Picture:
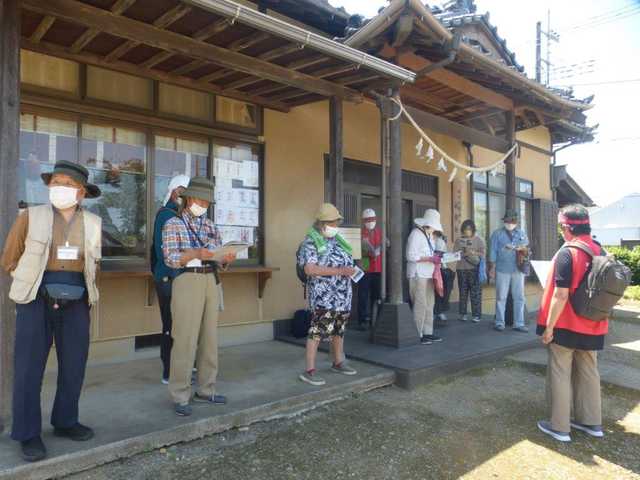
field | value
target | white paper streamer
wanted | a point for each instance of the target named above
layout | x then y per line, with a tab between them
453	174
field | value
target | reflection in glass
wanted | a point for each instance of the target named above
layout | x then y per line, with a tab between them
497	205
175	156
43	141
116	159
480	213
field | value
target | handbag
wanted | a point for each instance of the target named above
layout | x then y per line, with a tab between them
523	260
59	295
438	282
482	271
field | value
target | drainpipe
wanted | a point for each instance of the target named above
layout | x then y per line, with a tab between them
452	48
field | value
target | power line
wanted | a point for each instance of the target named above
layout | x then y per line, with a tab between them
607	82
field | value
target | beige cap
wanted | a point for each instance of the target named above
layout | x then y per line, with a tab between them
328	213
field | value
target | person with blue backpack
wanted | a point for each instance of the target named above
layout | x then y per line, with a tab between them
325	264
471	271
162	274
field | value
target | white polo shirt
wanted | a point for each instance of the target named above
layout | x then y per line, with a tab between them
418	247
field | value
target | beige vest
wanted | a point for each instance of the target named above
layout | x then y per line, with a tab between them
32	264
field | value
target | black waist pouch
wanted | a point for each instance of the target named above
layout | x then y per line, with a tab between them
59	289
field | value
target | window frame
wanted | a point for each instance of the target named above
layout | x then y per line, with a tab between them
150	131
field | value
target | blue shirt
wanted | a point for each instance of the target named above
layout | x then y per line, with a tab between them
502	249
161	269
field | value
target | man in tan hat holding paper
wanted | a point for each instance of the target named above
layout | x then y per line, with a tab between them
189	242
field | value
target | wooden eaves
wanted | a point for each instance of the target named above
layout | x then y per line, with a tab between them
180	43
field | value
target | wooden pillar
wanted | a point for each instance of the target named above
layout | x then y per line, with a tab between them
9	138
336	162
395	325
510	164
395	207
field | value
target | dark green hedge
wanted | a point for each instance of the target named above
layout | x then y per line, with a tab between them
631	258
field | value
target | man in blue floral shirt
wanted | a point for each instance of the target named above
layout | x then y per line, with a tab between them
328	265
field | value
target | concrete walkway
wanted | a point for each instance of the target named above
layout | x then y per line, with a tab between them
619	362
131	411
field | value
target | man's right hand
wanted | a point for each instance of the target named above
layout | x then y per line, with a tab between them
347	271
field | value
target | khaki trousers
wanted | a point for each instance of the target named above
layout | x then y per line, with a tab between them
423	299
573	383
194	309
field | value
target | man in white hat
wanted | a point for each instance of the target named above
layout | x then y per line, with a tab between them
370	285
421	264
163	275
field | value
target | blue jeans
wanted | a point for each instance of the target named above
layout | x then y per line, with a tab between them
515	282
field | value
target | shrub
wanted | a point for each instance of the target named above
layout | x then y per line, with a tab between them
633	293
631	258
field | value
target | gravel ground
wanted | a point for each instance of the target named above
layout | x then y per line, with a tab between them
478	425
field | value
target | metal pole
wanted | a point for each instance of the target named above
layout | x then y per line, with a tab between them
538	51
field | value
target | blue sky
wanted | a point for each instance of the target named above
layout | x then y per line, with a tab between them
603	39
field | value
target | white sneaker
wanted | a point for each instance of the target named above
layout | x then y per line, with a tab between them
545	427
593	430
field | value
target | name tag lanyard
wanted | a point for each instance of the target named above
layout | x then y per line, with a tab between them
67	252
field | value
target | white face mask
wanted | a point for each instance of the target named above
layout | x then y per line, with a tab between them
510	226
197	210
179	201
63	197
329	231
370	225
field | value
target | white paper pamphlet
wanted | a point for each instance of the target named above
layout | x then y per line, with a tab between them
542	269
357	276
451	257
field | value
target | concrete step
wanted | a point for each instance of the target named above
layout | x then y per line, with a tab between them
131	413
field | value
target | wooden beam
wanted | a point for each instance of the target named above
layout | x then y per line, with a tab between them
453	80
439	124
349	80
9	159
336	158
166	19
424	98
404	27
74	11
83	40
42	28
124	67
188	67
323	73
510	162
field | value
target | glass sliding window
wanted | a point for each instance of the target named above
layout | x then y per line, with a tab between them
480	213
176	156
497	205
238	183
117	161
43	141
49	72
119	87
498	182
236	112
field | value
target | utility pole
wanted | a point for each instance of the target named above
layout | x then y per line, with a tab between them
551	35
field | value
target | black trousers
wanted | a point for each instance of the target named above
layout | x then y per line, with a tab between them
469	285
163	289
37	325
368	292
441	304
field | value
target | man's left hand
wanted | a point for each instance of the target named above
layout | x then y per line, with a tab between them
547	336
228	258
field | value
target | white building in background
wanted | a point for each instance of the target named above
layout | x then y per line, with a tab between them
619	222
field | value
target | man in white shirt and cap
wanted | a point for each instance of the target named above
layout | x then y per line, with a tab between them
421	264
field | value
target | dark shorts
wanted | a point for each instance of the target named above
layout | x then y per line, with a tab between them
326	324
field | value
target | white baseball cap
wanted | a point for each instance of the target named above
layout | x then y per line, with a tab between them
369	213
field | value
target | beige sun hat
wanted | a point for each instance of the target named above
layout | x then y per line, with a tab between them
431	218
328	213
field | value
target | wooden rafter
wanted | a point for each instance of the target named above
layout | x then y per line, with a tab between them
456	82
42	29
135	31
323	73
267	56
125	67
166	19
348	80
83	40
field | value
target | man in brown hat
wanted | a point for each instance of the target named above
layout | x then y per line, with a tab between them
52	253
188	243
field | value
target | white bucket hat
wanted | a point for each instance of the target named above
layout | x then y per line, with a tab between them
431	219
369	213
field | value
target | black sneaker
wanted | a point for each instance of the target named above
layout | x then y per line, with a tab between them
77	433
433	338
212	399
33	449
425	341
183	409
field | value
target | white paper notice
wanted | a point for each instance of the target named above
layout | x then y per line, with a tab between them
451	257
542	269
